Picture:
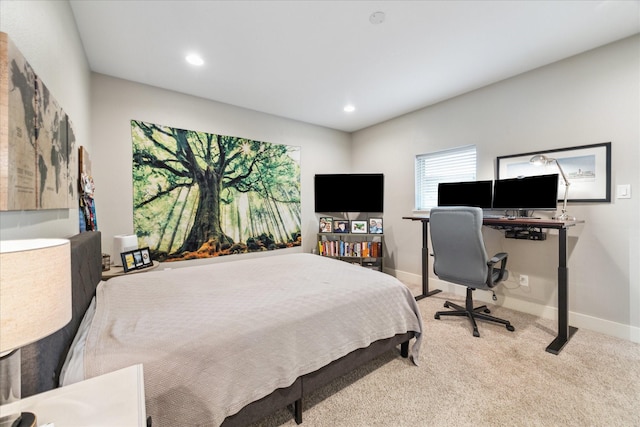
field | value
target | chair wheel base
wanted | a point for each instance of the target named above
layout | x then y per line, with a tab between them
471	313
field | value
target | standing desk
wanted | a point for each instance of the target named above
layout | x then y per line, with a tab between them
565	332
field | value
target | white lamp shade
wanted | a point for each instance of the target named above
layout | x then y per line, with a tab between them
35	290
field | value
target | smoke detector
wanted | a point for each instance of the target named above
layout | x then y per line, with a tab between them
377	18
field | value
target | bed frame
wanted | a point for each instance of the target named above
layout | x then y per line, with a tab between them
42	361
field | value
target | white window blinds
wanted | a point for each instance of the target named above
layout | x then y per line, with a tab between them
454	165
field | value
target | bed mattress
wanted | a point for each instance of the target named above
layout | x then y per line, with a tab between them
217	337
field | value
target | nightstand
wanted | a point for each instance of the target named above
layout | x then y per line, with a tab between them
119	271
113	399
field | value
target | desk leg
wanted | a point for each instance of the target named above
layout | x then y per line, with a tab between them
565	332
425	264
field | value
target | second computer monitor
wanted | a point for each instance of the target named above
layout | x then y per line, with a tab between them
527	193
468	193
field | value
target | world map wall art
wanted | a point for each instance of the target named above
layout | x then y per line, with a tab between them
201	195
38	161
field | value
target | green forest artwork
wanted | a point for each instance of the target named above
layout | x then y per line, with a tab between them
200	195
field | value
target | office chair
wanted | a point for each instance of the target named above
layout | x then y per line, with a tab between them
460	257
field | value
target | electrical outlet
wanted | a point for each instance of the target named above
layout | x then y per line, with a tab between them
524	280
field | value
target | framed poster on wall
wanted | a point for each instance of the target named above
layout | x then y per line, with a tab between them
587	167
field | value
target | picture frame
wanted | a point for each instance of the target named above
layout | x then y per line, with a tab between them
128	261
137	256
326	224
340	226
358	227
146	257
136	259
587	167
375	226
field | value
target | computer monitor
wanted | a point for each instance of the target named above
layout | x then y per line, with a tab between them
527	193
357	192
468	193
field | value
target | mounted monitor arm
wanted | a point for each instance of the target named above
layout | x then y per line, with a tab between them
542	160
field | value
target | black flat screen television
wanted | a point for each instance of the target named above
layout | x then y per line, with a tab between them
526	193
349	192
469	193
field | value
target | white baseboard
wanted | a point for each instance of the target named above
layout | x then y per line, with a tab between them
578	320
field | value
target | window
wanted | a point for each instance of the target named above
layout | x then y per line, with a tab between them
455	165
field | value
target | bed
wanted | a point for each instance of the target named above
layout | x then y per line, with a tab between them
227	343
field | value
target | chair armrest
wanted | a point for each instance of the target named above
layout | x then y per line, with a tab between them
499	257
496	258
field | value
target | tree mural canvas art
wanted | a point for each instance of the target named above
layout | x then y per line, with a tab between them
200	195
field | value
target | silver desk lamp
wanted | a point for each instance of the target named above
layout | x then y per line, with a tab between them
542	160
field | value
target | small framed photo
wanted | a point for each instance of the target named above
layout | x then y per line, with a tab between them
146	257
137	256
340	226
326	224
358	226
128	261
375	225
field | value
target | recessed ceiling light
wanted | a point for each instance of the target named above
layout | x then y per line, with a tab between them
377	18
349	108
194	59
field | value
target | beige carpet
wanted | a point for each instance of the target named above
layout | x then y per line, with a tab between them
500	379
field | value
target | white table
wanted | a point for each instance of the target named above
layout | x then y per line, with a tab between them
113	399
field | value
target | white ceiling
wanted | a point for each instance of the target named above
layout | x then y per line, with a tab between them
306	60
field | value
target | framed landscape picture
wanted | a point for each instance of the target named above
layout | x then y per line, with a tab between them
587	167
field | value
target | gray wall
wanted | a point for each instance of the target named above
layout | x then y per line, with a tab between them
587	99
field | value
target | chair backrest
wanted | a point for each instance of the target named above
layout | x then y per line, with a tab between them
458	247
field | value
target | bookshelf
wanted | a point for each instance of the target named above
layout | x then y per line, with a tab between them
362	249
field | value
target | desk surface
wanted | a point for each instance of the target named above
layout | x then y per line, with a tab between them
518	221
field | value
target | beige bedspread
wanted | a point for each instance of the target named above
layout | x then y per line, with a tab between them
214	338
